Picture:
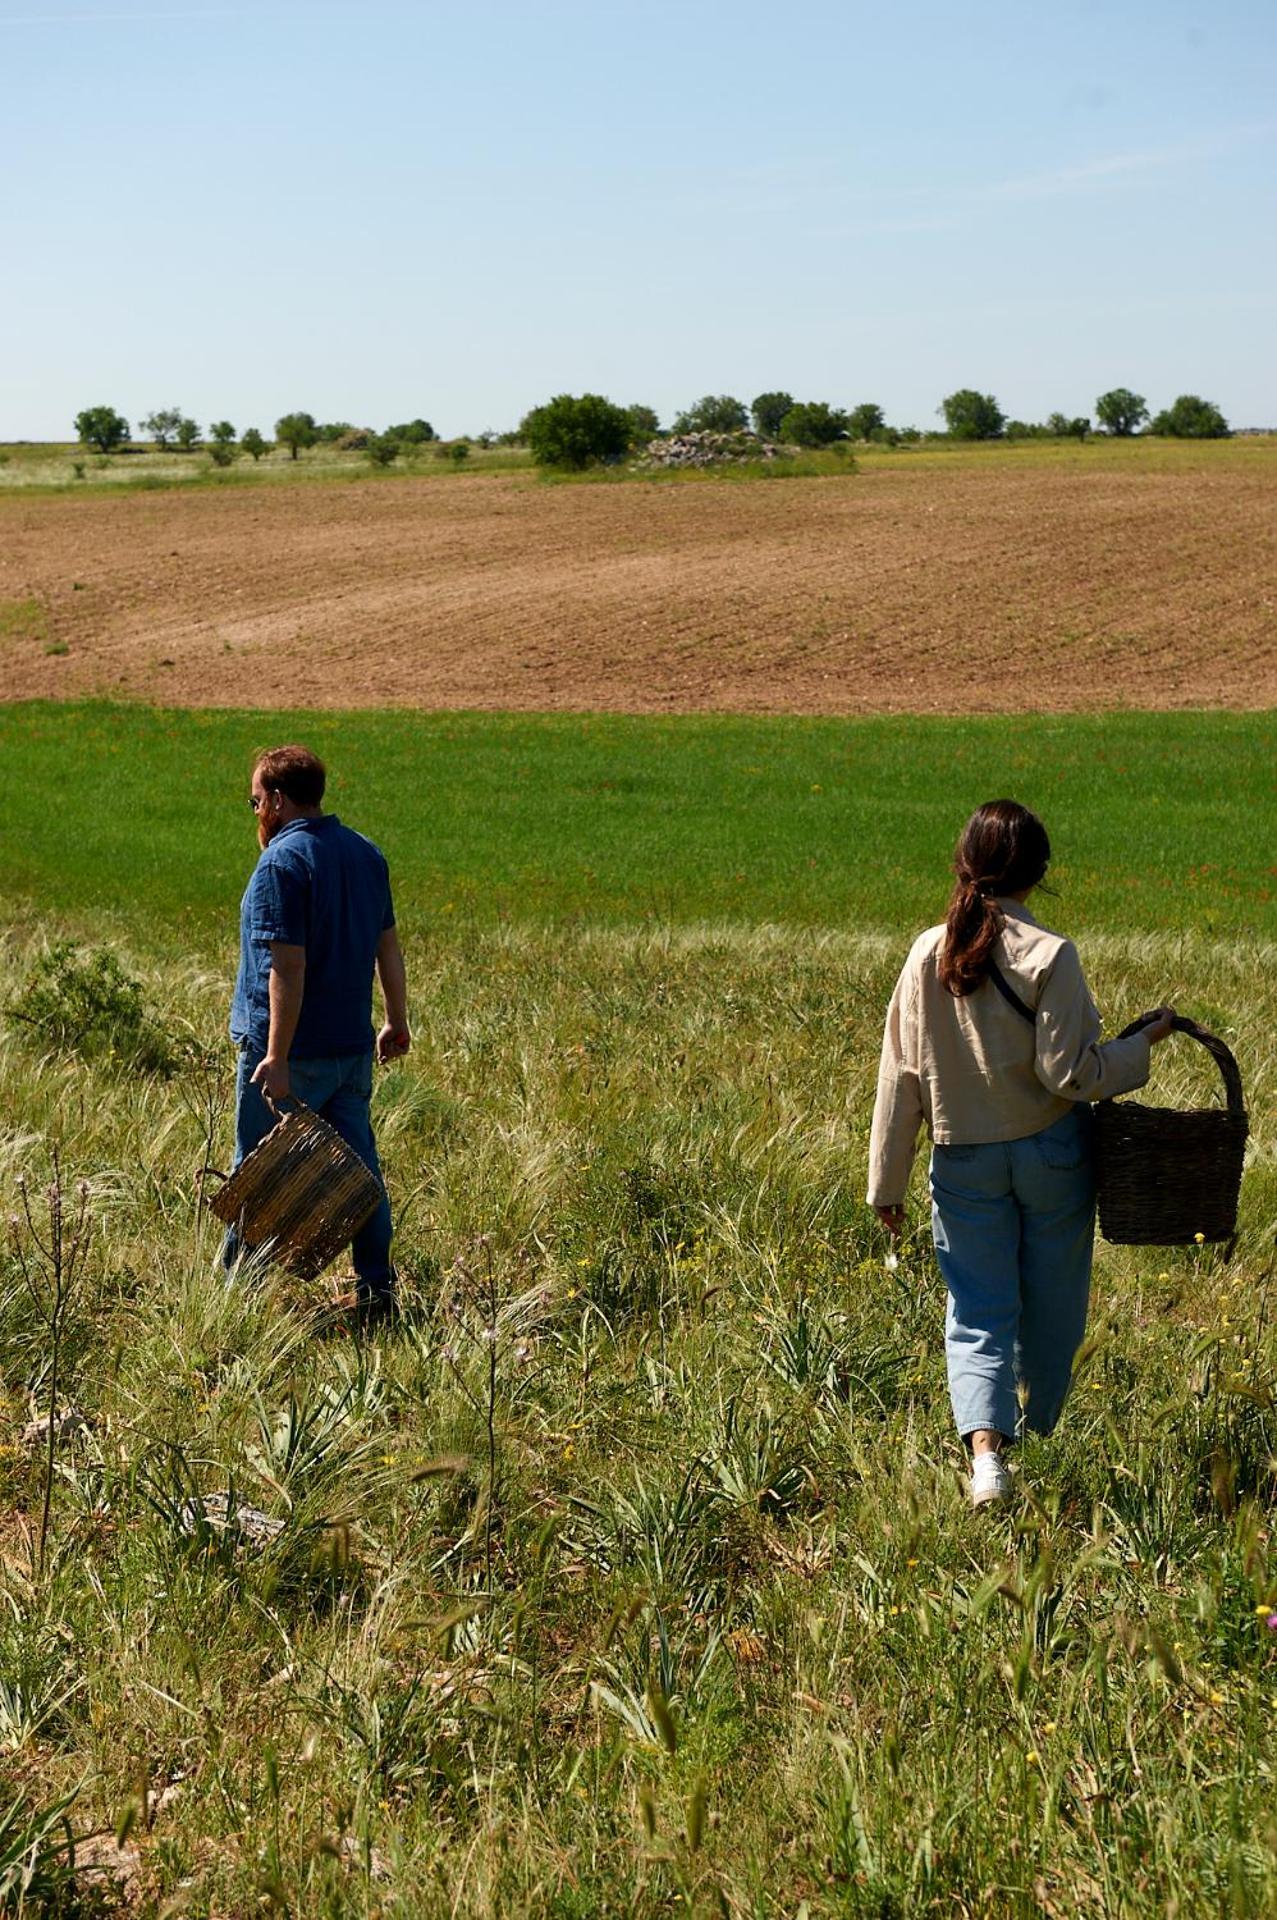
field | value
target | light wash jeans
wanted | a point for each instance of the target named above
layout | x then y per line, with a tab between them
1014	1227
339	1089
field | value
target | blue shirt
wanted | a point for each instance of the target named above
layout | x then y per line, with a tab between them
321	886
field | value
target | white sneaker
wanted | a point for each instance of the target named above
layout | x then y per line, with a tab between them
990	1480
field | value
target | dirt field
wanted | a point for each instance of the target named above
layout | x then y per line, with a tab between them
953	585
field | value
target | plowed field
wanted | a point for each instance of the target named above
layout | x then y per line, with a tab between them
997	584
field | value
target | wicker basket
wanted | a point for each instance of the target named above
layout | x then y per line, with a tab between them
301	1195
1168	1177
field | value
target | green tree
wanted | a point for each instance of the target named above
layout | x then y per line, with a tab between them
221	433
972	416
295	431
252	442
328	431
459	452
644	424
713	413
1067	427
864	421
101	427
1192	418
188	434
1121	412
382	448
413	433
814	423
163	425
767	412
575	430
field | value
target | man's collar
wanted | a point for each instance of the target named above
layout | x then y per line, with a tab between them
308	820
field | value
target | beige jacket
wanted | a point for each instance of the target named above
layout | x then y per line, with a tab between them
973	1069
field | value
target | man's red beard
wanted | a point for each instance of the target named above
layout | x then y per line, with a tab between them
265	831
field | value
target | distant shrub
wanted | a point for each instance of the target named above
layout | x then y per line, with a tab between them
253	443
102	427
1191	418
220	454
714	413
459	452
85	1003
381	448
1121	412
645	424
575	430
355	440
866	421
77	468
814	423
972	416
767	412
332	432
295	431
413	433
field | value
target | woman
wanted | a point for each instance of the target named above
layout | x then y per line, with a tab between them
993	1041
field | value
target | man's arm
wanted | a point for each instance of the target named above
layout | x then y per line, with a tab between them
287	984
394	1039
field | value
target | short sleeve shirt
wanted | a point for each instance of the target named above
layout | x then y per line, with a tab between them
321	886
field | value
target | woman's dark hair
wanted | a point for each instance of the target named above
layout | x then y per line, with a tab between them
1003	849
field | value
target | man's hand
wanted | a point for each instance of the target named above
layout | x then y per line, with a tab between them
271	1079
893	1219
392	1043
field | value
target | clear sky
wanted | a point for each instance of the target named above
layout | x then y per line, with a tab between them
384	209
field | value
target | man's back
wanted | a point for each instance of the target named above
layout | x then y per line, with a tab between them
320	886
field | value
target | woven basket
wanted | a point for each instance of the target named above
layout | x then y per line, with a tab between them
1168	1177
301	1195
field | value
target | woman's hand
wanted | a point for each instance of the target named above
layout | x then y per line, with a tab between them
893	1219
1161	1025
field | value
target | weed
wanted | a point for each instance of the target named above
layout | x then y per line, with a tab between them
85	1003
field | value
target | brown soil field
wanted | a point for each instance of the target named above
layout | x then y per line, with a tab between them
952	585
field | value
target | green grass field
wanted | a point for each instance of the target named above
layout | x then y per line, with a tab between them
141	815
633	1575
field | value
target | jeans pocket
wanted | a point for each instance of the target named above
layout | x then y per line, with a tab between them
1066	1146
954	1156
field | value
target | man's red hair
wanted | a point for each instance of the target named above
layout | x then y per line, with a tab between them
295	772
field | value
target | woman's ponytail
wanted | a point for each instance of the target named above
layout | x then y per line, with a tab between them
1004	849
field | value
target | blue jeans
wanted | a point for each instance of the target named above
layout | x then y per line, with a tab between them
339	1088
1014	1227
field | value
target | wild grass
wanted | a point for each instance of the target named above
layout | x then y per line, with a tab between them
30	468
632	1574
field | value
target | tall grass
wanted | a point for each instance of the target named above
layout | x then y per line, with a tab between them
632	1575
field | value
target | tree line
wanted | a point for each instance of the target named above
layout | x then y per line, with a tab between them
577	430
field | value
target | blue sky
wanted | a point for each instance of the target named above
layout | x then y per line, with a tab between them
380	210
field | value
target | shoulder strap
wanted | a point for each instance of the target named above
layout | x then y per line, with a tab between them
1009	993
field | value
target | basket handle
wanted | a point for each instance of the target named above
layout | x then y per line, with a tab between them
277	1106
1215	1047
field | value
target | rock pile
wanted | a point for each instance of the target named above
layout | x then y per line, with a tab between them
708	450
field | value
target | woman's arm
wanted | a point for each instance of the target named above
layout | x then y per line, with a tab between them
1072	1061
898	1114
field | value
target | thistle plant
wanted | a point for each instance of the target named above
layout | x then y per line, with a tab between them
50	1257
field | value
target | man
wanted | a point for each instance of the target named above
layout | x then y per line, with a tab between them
316	921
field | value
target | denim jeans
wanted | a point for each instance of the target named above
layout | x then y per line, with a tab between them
339	1089
1014	1228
